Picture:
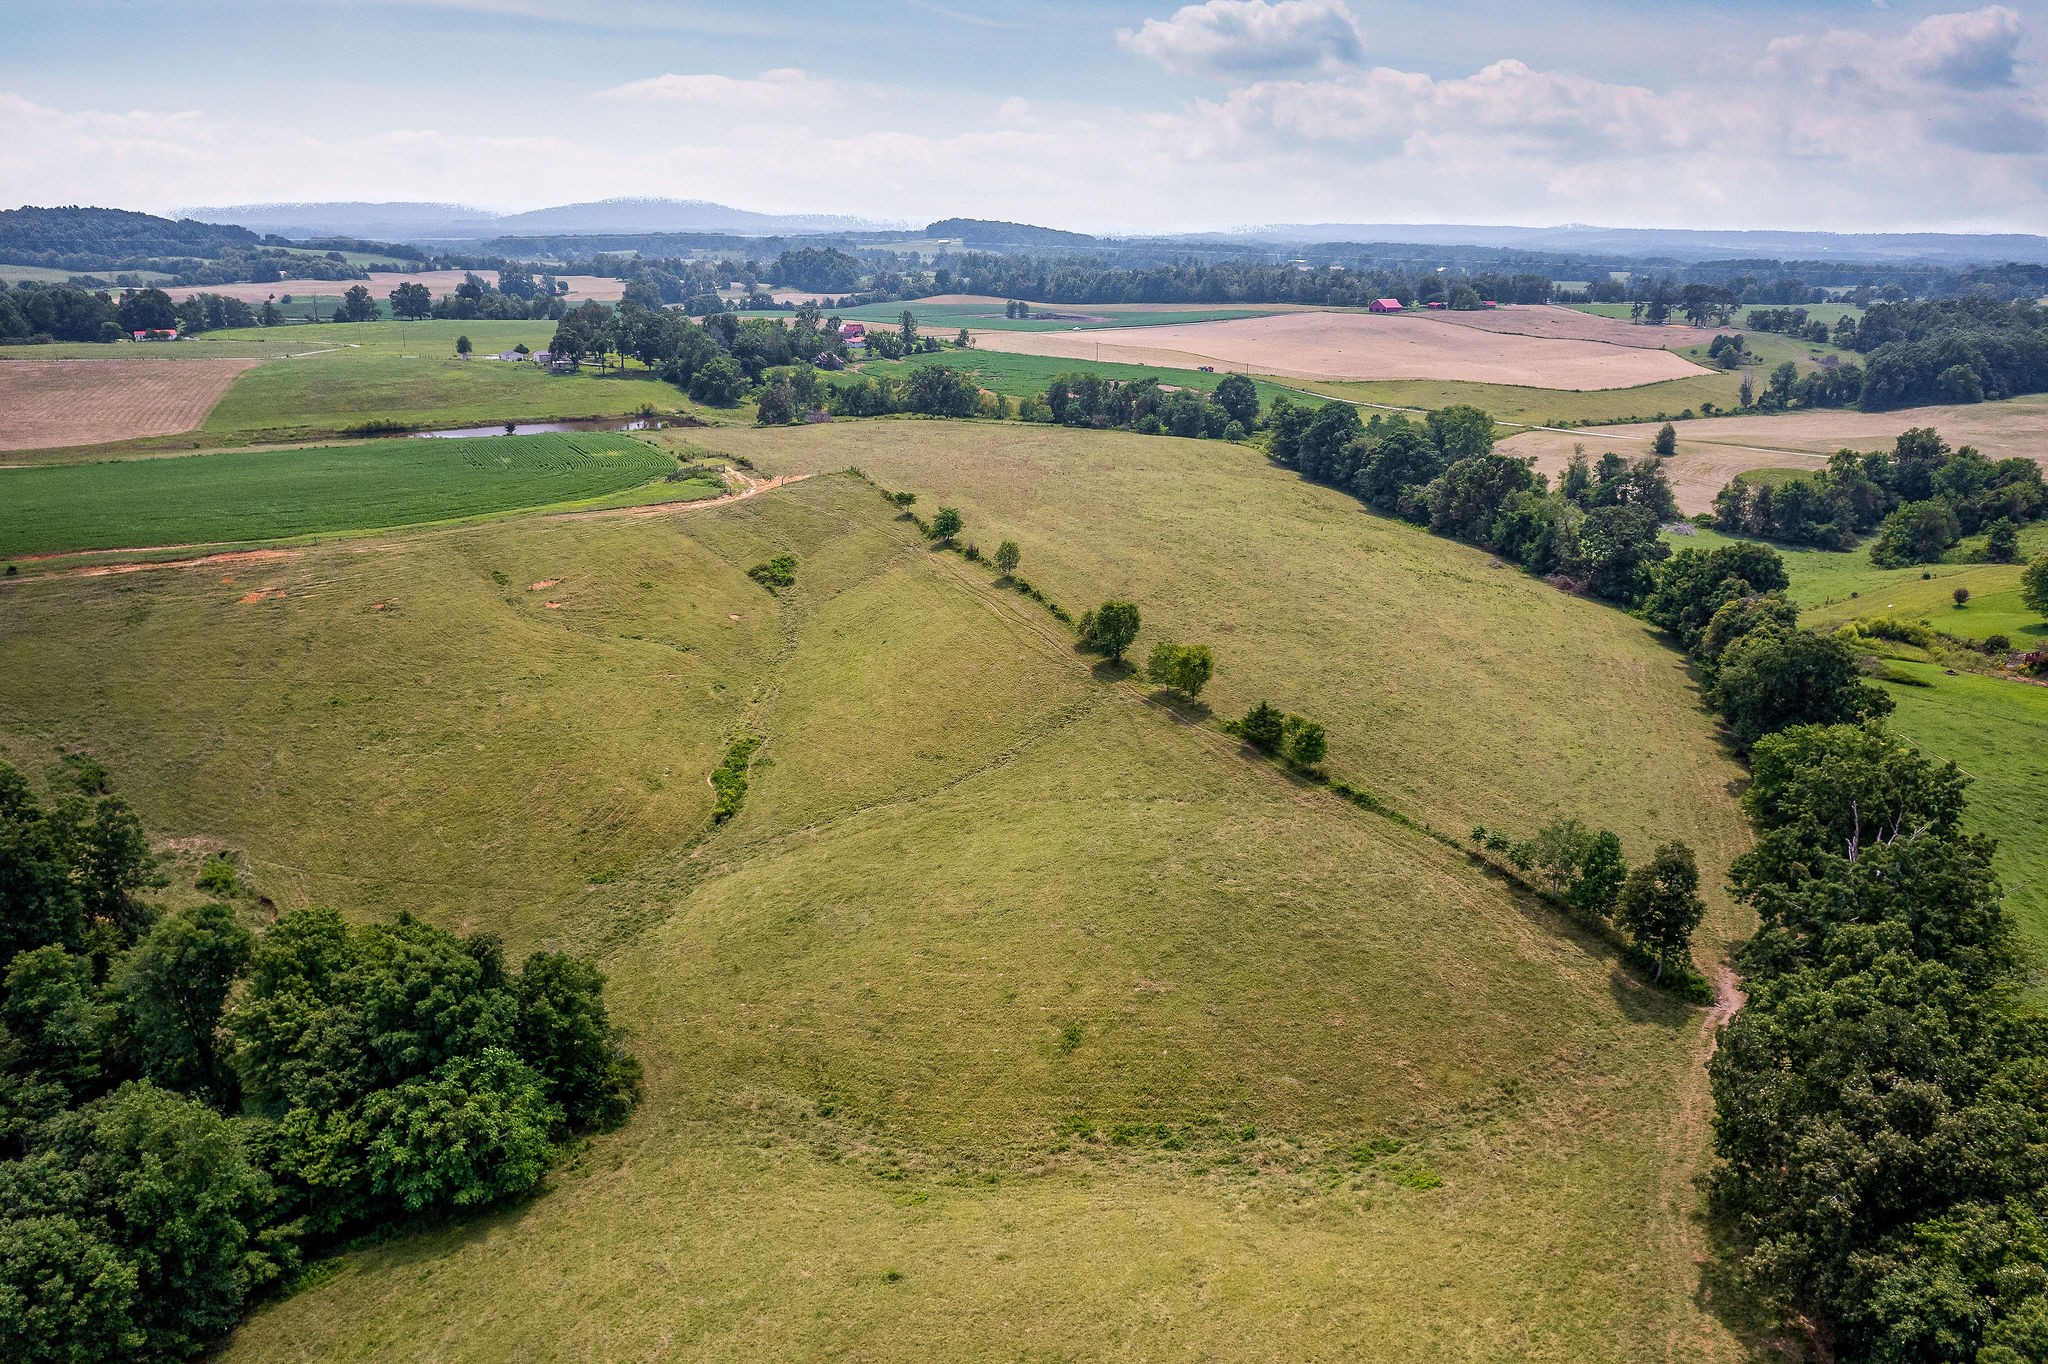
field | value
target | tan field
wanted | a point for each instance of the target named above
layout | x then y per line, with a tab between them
382	282
84	402
1711	451
1325	345
1570	324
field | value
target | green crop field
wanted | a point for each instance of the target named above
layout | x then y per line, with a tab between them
1013	1016
276	494
1024	376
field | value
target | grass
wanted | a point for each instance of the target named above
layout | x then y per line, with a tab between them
44	274
278	494
1009	1016
1772	477
1521	405
1024	376
1829	313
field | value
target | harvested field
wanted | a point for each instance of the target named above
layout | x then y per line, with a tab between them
1712	450
82	402
1321	345
1569	324
382	282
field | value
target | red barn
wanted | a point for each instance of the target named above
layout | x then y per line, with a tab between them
1385	305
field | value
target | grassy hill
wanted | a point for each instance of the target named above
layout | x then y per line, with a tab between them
1011	1017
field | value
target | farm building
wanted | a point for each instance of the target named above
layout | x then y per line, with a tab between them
1385	305
854	333
160	334
1438	304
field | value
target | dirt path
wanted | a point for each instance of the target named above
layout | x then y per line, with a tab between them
1684	1150
753	487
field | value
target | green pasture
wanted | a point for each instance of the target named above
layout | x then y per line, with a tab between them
1014	1015
246	496
947	318
1025	376
1520	405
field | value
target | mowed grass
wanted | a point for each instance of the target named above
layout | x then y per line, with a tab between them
247	496
1523	406
1011	1017
1026	376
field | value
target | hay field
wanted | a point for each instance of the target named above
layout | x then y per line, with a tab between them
1318	345
1713	450
84	402
382	282
1555	321
1010	1017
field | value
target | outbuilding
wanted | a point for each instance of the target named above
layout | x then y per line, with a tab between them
1385	305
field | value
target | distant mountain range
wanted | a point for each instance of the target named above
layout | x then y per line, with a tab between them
1946	248
412	222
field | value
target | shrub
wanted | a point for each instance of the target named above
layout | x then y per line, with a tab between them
1962	596
1996	644
1109	629
1008	556
778	572
729	779
1184	667
1262	727
1302	741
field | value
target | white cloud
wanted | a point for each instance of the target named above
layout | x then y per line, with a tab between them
785	87
1249	36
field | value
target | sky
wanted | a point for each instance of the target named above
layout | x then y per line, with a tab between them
1104	115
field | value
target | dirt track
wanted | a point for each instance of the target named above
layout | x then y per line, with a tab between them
1325	345
83	402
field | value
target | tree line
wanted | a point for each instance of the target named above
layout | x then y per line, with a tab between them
1921	497
191	1110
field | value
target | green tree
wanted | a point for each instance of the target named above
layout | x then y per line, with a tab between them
718	383
776	406
1460	431
1302	741
1113	627
1666	443
1695	583
1768	681
412	300
1263	727
462	346
946	524
1008	556
2034	585
1917	533
357	305
146	310
2002	545
174	986
906	324
565	1033
1238	396
1659	905
1186	668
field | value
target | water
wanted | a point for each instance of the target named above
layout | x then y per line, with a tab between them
534	428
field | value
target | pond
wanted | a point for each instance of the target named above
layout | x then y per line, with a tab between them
535	428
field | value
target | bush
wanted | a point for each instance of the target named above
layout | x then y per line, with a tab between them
1110	629
729	779
778	572
1008	556
1302	741
946	524
1184	667
1262	727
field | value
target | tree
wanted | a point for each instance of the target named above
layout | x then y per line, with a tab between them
1962	597
1263	727
565	1033
357	305
946	524
146	310
906	324
1238	396
1184	667
174	986
1917	533
963	340
718	383
1659	905
1666	443
776	406
2002	545
1113	626
1695	583
2034	585
462	346
1302	741
1768	681
412	300
1008	556
1460	431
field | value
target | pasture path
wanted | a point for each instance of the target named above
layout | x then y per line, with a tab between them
1683	1147
753	487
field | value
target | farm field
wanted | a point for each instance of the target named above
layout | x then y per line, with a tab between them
1829	313
246	496
78	402
44	274
1573	324
1174	1046
1335	346
1515	404
947	314
382	282
1024	376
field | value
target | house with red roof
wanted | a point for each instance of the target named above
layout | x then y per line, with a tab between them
1384	305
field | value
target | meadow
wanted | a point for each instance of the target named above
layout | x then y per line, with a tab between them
943	317
1027	376
249	496
1015	1014
1517	404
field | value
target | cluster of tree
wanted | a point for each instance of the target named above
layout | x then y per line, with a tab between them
1958	350
516	296
1142	405
1880	1105
1727	608
825	269
929	390
1700	305
1596	532
1794	322
188	1110
1920	496
56	312
1109	630
1185	668
1295	739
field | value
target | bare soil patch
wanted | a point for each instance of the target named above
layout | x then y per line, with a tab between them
1324	345
382	282
1713	450
85	402
1570	324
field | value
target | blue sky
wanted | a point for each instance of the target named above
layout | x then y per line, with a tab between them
1114	115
